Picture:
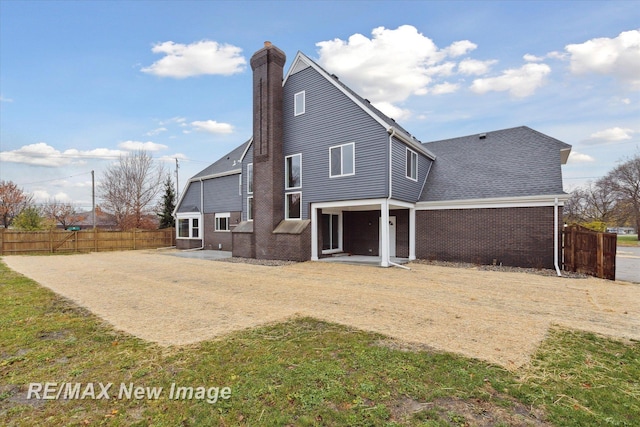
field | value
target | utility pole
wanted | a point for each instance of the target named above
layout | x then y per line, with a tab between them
177	182
93	198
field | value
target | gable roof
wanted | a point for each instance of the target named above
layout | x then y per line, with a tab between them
228	164
301	61
514	162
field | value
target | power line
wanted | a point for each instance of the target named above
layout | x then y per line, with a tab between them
55	179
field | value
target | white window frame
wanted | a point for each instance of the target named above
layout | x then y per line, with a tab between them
286	205
250	178
218	217
189	217
286	172
353	166
411	155
250	208
298	98
340	234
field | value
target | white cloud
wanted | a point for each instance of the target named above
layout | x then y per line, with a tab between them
157	131
625	101
520	82
393	111
172	157
445	87
460	48
532	58
42	154
619	57
212	126
612	134
139	145
3	99
390	66
199	58
475	67
576	157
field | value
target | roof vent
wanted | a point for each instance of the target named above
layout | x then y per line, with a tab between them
335	77
483	136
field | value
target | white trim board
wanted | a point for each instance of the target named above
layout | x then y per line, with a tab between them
500	202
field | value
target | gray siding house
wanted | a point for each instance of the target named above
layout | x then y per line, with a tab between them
327	173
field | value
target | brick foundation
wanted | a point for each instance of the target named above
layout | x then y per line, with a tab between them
521	237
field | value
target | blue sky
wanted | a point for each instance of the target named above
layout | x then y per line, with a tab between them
82	83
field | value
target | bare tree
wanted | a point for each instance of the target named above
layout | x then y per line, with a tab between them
62	213
625	182
594	203
129	189
13	200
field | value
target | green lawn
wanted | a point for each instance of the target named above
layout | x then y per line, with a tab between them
301	372
628	240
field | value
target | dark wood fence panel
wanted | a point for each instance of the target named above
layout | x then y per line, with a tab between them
14	242
590	252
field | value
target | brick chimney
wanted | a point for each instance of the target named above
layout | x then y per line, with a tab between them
268	158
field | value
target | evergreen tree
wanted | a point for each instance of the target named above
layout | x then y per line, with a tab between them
168	204
29	220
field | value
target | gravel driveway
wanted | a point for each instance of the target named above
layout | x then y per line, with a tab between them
495	316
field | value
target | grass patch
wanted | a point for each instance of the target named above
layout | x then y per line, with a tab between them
628	240
300	372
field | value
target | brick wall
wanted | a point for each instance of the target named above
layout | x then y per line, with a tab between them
292	247
362	232
520	237
188	243
244	245
212	238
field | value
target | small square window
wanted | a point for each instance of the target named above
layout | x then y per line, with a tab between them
342	160
222	222
299	103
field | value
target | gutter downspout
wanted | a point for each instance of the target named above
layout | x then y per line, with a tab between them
555	237
391	135
201	218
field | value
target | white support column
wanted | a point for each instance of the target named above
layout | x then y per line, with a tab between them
314	233
384	234
412	234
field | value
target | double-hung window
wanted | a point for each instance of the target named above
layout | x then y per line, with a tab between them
298	103
412	165
293	181
342	160
222	221
250	192
250	178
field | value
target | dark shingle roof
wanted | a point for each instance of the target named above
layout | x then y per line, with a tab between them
506	163
226	163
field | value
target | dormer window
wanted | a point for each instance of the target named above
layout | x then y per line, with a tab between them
298	103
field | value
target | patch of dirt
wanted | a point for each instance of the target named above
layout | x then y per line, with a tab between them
499	410
500	317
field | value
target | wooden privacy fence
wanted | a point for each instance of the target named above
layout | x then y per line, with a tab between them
590	252
14	242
